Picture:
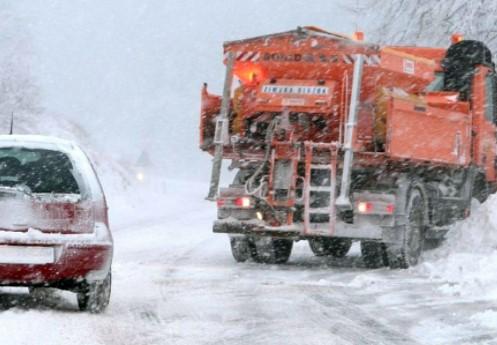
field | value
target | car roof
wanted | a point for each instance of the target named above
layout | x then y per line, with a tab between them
37	142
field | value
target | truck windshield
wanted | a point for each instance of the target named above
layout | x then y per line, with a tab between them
37	170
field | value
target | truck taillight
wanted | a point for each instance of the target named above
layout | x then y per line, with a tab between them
368	207
390	208
243	202
365	207
237	202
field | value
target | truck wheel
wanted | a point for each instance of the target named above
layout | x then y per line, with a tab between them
408	252
481	190
95	296
271	251
323	246
373	254
240	248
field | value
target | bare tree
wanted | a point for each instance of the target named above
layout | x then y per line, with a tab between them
430	22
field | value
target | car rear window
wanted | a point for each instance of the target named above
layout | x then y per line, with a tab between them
38	170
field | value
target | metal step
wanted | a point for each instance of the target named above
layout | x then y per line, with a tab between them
320	188
319	210
320	166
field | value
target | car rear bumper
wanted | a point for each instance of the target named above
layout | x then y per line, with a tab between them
76	258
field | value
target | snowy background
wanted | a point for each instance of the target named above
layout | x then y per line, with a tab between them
123	77
130	72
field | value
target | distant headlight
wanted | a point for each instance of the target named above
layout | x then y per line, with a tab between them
140	176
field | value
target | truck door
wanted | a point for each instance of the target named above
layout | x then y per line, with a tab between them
484	120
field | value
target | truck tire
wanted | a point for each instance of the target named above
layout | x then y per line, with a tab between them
481	189
240	248
408	252
374	254
271	251
324	246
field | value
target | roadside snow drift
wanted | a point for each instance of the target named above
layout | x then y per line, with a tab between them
468	258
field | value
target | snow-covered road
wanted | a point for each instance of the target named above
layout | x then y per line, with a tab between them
176	283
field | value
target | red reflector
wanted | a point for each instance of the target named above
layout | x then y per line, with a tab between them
220	202
242	202
390	208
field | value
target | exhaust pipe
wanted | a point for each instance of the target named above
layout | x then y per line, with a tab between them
221	131
343	200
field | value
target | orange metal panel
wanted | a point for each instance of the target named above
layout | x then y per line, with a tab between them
295	95
421	132
420	62
298	54
210	105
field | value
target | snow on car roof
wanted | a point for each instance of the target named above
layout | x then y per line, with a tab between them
37	141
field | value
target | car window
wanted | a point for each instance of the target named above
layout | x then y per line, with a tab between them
39	170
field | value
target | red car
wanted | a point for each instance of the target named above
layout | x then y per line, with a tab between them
54	229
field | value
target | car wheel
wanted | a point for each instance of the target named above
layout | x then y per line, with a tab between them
95	296
39	293
337	247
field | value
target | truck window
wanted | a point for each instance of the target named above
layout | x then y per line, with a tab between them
490	98
437	84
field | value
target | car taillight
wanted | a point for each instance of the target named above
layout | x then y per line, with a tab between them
84	218
59	211
220	203
65	217
243	202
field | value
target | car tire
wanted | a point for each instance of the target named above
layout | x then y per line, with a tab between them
95	296
38	293
337	247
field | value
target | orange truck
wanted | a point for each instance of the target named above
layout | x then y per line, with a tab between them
337	140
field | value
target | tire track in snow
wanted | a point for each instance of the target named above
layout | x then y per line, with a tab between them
343	323
352	323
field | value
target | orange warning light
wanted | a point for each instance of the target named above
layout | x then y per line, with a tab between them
358	36
456	38
249	73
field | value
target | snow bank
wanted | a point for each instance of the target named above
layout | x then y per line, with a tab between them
466	262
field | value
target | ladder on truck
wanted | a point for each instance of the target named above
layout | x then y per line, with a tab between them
320	160
343	201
